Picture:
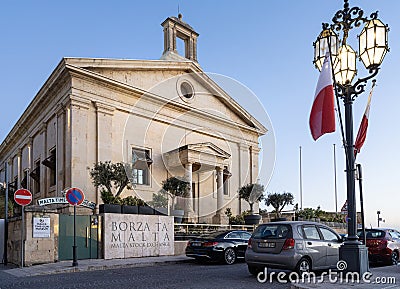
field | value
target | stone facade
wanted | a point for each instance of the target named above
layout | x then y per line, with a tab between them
92	110
127	236
36	250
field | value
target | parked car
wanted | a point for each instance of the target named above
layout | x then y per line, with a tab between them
383	245
225	246
293	245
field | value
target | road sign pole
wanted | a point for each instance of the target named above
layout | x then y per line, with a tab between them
74	261
74	197
22	236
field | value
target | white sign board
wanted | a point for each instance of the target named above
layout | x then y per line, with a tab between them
41	227
127	236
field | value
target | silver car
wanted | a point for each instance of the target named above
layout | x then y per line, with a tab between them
293	245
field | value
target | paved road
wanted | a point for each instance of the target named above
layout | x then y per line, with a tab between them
174	276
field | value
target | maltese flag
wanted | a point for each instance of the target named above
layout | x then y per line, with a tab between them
362	131
322	117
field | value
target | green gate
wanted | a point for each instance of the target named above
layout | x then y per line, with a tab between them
87	231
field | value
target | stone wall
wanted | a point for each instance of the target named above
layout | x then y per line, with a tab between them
36	250
127	236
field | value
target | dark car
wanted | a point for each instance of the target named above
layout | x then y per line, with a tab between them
383	245
225	246
293	245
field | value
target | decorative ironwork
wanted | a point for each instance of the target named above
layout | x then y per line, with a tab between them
350	92
344	20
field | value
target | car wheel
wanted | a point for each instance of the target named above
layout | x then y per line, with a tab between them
229	256
304	266
253	270
394	258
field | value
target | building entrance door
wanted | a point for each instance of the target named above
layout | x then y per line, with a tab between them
87	232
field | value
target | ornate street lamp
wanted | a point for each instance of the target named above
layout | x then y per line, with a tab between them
373	46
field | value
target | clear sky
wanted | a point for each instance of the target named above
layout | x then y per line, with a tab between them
265	45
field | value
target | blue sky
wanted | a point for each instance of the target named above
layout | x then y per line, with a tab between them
265	45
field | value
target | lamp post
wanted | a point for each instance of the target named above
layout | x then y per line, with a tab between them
373	46
379	218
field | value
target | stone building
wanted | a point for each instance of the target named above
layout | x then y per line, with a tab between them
164	117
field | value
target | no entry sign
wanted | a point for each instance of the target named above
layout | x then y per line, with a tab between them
75	196
23	197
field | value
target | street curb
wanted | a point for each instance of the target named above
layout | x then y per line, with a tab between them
24	272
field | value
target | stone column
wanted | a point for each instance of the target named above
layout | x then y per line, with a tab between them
104	115
60	150
43	169
220	190
189	213
79	133
30	163
220	217
244	170
19	169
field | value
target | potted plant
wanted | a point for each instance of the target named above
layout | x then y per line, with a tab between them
111	204
176	187
130	205
110	178
145	209
251	193
160	203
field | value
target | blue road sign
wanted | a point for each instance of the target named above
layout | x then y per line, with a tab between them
75	196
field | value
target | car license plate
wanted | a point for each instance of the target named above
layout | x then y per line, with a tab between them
266	245
196	244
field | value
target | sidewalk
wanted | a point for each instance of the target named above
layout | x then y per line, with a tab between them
91	265
382	277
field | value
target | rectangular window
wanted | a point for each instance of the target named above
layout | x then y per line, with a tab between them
141	162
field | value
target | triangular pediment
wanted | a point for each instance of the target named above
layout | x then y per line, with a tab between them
207	147
164	79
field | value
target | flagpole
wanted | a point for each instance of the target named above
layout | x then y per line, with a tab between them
334	169
337	100
301	185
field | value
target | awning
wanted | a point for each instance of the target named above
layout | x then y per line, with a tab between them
50	162
227	174
24	182
35	174
141	156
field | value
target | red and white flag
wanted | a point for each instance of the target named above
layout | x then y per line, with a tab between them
322	117
362	131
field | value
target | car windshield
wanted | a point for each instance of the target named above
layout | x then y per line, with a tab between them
272	231
372	234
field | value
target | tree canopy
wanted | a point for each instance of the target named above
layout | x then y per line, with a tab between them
279	201
110	177
175	187
251	193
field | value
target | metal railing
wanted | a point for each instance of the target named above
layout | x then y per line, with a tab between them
188	231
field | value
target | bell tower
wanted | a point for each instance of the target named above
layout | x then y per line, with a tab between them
173	28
